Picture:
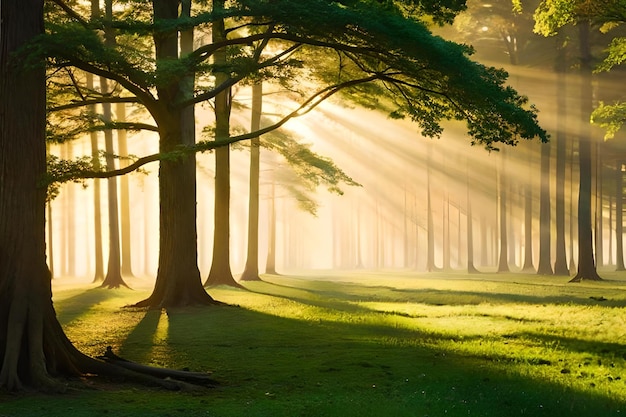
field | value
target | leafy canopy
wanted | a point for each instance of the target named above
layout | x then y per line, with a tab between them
424	77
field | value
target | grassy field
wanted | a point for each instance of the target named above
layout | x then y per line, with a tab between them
359	344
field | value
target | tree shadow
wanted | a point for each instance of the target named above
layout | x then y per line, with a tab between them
330	290
376	369
74	307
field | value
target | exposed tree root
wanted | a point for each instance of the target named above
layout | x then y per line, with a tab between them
173	378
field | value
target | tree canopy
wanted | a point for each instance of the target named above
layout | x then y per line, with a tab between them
429	79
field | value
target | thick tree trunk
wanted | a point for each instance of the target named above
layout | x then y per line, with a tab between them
33	347
586	262
251	270
178	280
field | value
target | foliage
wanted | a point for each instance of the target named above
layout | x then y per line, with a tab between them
610	117
430	79
607	15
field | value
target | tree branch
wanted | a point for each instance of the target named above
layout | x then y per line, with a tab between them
89	102
204	146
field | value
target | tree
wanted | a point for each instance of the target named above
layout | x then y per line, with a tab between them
251	270
609	15
545	265
33	347
550	16
428	79
220	273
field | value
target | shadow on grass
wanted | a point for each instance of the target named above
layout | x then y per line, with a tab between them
354	292
74	307
282	366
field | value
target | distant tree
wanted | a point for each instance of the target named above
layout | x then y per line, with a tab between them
220	273
550	17
545	260
561	64
619	216
251	270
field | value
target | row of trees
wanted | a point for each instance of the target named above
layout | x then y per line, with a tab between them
509	33
365	48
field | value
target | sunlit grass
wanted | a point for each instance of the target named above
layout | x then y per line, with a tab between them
363	344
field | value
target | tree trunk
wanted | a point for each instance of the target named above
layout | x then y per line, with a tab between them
251	271
430	255
503	265
471	269
528	230
113	278
126	260
270	264
178	280
560	261
220	273
619	216
97	205
545	265
586	263
33	346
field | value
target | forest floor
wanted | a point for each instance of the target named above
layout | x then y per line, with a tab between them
357	344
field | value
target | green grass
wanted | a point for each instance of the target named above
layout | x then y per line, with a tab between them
360	344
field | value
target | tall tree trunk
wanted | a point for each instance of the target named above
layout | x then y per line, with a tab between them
599	210
471	269
527	266
97	204
586	262
503	265
619	216
178	280
113	278
127	269
220	273
545	265
251	270
270	264
560	261
430	255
